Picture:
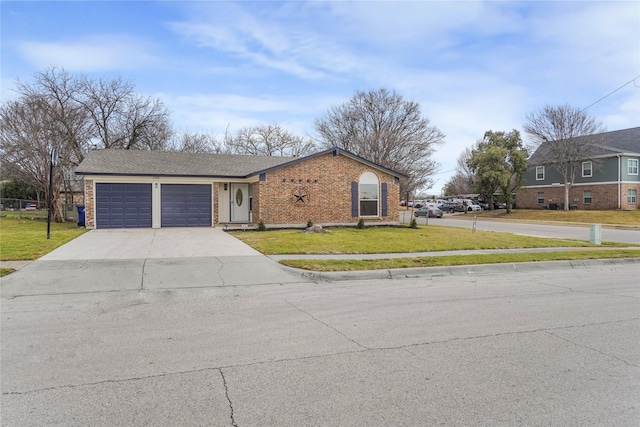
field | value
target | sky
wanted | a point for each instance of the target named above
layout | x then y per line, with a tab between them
473	66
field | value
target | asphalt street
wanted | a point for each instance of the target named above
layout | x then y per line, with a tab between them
241	342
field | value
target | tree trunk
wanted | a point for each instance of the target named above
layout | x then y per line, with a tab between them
566	195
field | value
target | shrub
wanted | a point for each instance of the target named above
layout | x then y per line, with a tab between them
261	226
309	224
361	223
414	223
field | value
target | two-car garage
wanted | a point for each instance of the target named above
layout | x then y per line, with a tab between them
130	205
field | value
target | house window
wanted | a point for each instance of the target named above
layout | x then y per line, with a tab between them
633	167
539	173
586	197
632	197
541	198
369	191
587	170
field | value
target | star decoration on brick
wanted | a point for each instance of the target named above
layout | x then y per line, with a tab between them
300	196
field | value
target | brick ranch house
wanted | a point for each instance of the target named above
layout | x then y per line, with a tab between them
608	179
137	189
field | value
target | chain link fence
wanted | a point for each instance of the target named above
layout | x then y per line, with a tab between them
34	209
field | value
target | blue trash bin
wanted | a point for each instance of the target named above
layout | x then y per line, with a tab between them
80	215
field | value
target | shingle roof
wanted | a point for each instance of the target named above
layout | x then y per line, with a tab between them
171	163
625	141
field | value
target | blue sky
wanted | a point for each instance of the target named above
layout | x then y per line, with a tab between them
472	65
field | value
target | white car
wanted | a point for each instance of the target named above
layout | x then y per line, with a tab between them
471	206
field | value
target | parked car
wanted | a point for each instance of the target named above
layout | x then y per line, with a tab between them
483	205
471	206
499	205
452	207
430	210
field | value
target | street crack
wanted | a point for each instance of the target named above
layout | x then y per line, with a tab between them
327	325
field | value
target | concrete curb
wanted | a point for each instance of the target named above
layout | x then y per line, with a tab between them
15	265
460	270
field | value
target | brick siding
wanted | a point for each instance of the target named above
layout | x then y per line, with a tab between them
327	181
89	215
603	196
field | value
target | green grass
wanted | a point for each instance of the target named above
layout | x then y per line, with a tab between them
22	239
5	271
626	218
441	261
392	240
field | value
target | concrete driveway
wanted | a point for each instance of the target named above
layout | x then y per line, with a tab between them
136	243
146	259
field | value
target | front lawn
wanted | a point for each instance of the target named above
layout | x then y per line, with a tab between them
26	239
391	240
452	260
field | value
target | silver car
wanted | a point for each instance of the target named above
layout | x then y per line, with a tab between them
432	211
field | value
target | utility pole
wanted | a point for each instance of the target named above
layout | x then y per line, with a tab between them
52	161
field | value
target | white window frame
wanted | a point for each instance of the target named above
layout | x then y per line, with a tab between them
632	196
632	166
584	197
540	198
588	169
368	178
538	174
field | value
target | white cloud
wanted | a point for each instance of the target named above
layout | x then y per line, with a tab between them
90	54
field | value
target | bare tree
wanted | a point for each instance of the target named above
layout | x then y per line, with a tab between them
69	114
194	142
463	182
27	142
123	119
386	129
562	138
269	140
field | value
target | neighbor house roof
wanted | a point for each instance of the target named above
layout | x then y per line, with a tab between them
625	141
172	163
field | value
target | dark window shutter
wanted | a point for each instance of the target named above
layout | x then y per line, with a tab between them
384	199
354	199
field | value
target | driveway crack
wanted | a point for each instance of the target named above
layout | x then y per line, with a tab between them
327	325
144	264
226	393
224	283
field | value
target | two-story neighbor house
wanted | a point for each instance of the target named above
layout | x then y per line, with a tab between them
608	179
138	189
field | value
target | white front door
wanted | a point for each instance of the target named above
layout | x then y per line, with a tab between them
239	202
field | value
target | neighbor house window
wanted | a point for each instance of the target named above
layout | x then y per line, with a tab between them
541	198
632	196
587	169
539	173
633	167
586	197
369	192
